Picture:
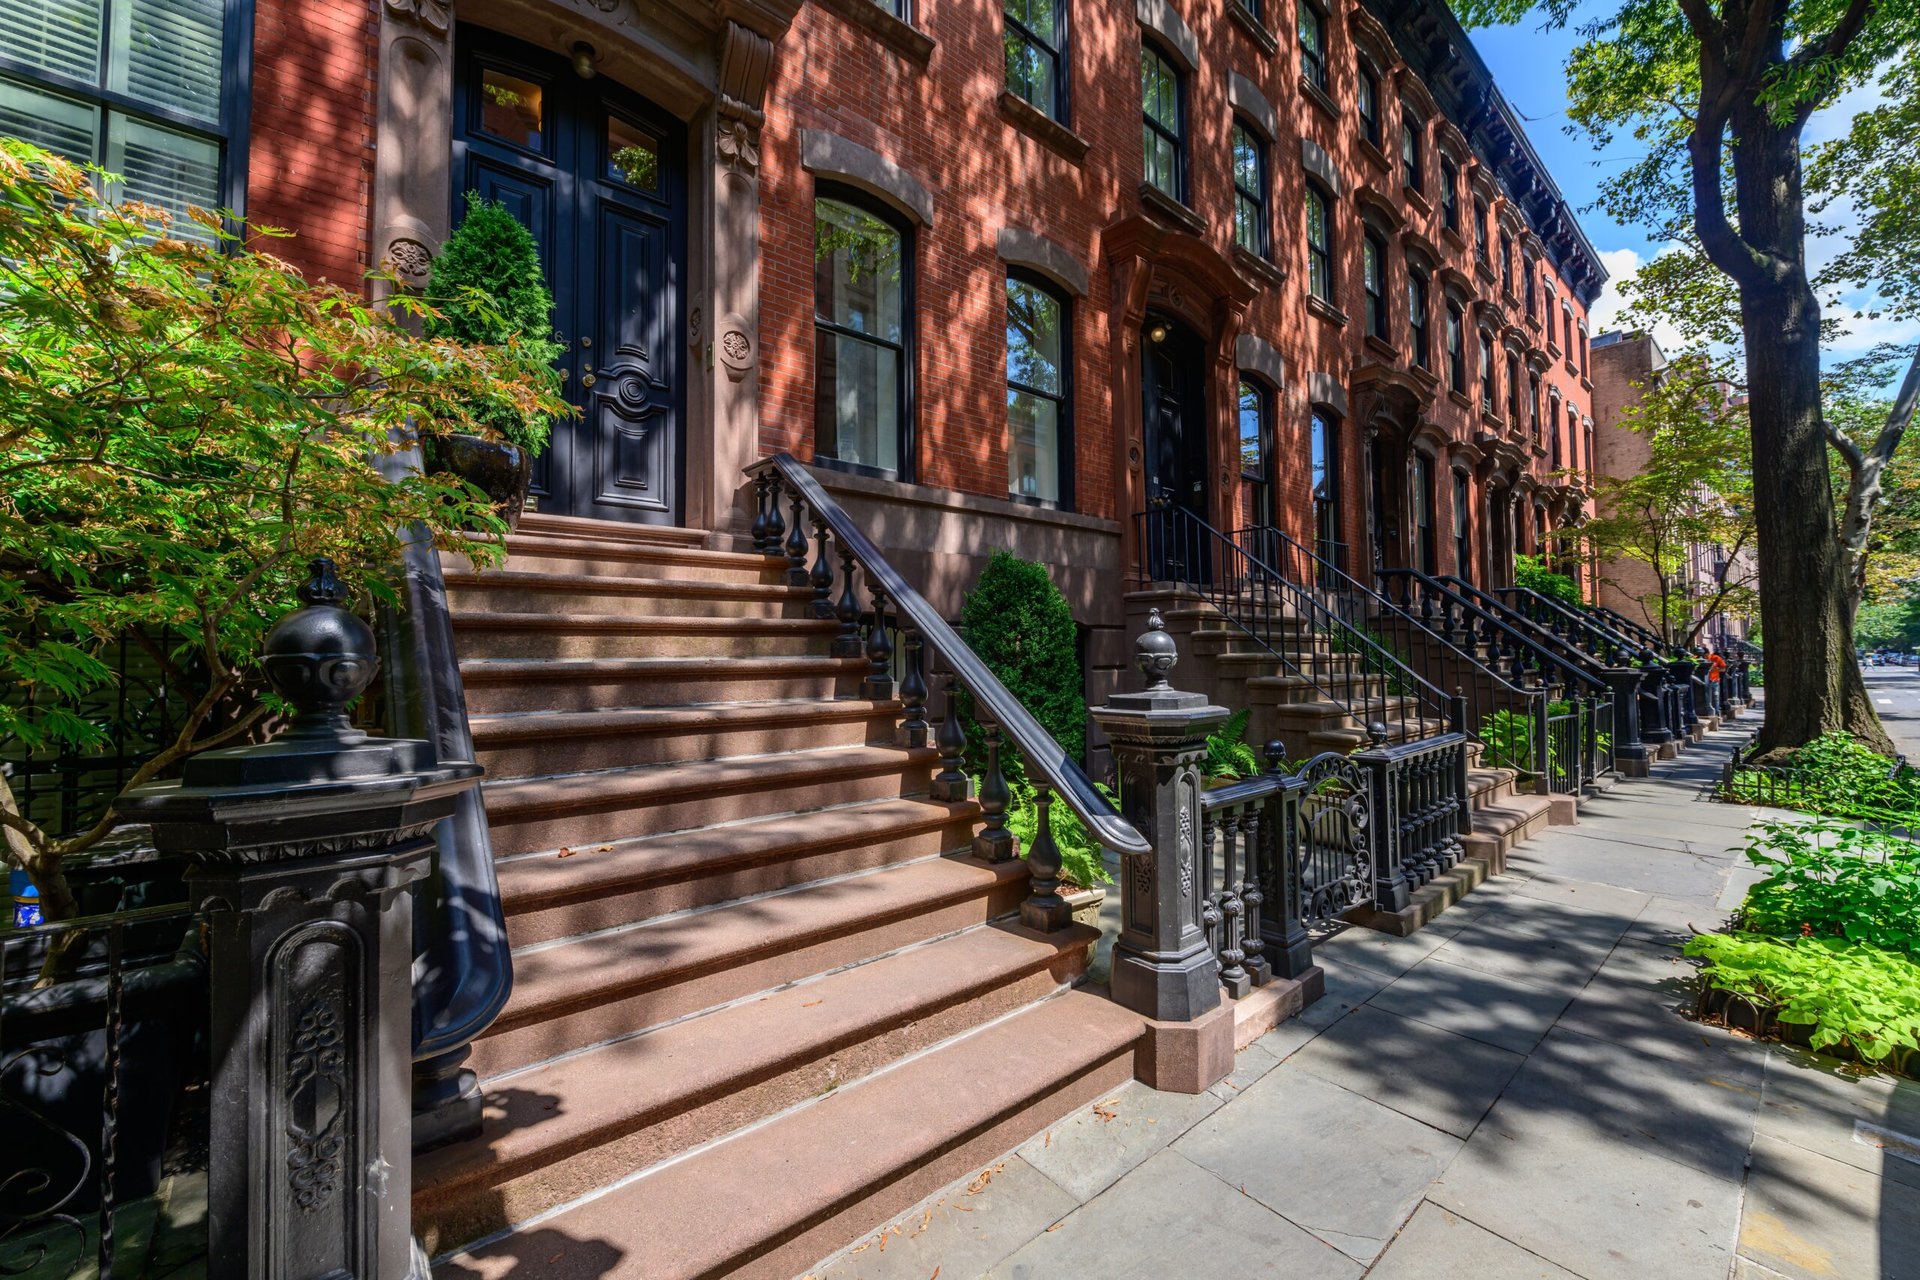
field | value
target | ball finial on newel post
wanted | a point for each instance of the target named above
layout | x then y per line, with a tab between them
1155	654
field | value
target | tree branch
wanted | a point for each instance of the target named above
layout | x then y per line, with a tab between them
1835	42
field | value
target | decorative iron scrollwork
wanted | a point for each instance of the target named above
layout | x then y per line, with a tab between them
316	1101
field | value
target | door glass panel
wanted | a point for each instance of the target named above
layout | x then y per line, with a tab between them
633	155
512	109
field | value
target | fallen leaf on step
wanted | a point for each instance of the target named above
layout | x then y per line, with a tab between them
603	848
935	1275
1105	1109
565	852
1049	1141
928	1218
979	1184
810	1003
1056	1226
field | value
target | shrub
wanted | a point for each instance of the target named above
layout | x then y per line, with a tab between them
1508	736
1228	754
1019	624
1863	998
1834	775
1080	861
488	288
185	422
1832	879
1532	573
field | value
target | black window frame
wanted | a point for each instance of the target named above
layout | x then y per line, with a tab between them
1259	200
231	132
1178	135
1056	51
1419	306
1506	262
1063	400
1323	426
1449	193
1262	477
1320	257
1462	524
1367	85
1379	323
907	348
1413	158
901	9
1513	389
1456	347
1489	392
1527	268
1426	537
1533	403
1481	213
1313	62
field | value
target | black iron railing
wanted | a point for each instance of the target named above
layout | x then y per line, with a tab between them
1580	629
103	1071
1627	626
1306	629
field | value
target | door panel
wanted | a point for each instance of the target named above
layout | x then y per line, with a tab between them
597	175
1173	411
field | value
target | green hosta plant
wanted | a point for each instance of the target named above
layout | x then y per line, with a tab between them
1830	878
1864	998
185	422
1509	736
1836	775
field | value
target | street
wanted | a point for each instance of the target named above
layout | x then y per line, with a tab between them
1896	696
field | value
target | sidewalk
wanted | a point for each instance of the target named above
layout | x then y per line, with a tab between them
1510	1094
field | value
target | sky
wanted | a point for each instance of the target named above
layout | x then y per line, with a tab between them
1529	64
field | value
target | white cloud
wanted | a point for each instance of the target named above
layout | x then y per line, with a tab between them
1621	264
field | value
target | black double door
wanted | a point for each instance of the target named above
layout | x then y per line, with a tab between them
598	175
1173	395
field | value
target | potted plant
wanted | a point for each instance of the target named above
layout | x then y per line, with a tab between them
487	288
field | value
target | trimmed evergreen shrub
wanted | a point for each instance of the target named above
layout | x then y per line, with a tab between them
488	288
1019	624
1532	573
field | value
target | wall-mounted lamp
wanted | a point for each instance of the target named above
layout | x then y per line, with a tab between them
1157	331
584	59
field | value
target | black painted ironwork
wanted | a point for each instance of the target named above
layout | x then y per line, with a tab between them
1333	847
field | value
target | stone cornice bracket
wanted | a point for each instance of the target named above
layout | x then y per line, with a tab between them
435	15
746	62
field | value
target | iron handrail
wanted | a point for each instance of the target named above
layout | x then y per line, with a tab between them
1541	653
1620	622
1521	621
1044	756
1527	598
1378	659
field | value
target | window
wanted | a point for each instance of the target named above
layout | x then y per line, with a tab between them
861	315
1566	318
1252	8
1513	391
1256	497
1039	397
1164	130
898	8
1533	405
1449	194
1373	274
1417	317
1462	525
139	87
1506	264
1480	227
1035	34
1319	246
1326	489
1367	98
1456	348
1410	128
1553	444
1426	549
1589	435
1486	372
1533	305
1249	191
1583	350
1313	45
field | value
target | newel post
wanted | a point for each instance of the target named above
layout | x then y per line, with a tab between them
1162	965
304	853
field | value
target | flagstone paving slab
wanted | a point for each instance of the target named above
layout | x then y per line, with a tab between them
1487	1007
1869	1122
963	1231
1811	1217
1437	1243
1435	1076
1092	1149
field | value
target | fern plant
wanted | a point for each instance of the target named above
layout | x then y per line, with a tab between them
1228	753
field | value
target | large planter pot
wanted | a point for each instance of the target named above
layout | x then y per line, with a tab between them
500	470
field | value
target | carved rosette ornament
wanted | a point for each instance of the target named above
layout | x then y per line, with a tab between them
738	145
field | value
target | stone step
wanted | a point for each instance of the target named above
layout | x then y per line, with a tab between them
558	1131
499	685
485	633
526	744
593	808
606	885
771	1200
536	524
533	553
517	591
1501	826
582	991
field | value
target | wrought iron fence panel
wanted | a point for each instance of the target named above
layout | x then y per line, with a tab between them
103	1095
1334	850
1564	749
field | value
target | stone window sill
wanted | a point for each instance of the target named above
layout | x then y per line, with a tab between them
1318	97
1382	348
1376	155
883	26
1271	274
1424	375
1170	211
1586	382
1415	198
1029	119
1326	311
1492	421
1252	27
1454	238
1572	368
1462	399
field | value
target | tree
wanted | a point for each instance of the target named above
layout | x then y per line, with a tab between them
185	422
1879	489
1695	489
1719	93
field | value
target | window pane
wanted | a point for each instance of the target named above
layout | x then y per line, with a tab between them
61	125
857	271
1252	444
1030	71
1033	459
1160	160
1033	338
1316	219
1246	161
1159	90
510	108
857	401
62	36
160	167
633	155
1322	470
169	52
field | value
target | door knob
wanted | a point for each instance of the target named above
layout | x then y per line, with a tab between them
586	343
587	381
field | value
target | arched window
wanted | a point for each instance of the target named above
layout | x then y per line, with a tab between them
1036	38
1419	348
1313	44
863	334
1256	431
1373	275
1163	129
1319	245
1039	392
1249	190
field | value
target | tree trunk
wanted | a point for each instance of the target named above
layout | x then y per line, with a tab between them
1813	680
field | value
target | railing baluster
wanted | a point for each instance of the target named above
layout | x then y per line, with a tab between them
1044	910
1233	971
879	682
822	574
761	484
797	548
913	693
951	783
993	842
849	643
1255	853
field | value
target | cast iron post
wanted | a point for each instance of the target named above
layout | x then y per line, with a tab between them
304	851
1162	965
1629	752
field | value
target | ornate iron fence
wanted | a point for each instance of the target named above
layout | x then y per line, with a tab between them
1562	755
